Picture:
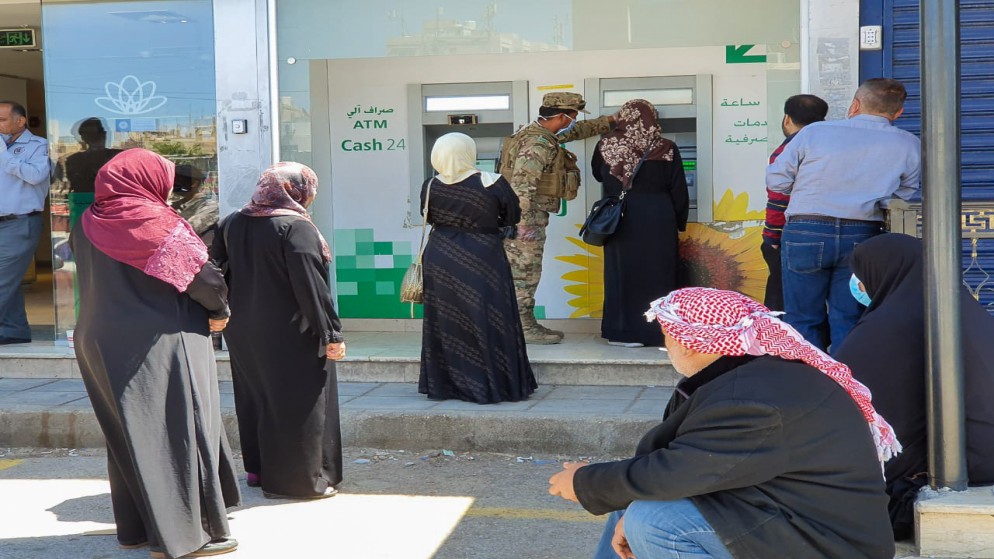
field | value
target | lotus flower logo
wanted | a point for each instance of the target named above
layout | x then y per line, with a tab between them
130	97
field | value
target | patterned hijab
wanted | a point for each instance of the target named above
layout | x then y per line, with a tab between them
713	321
286	188
637	130
131	221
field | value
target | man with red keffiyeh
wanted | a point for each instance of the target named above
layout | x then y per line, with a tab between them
769	448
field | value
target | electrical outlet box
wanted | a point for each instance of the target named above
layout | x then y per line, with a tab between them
239	126
871	37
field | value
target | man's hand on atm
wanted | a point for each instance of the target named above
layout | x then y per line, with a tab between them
526	233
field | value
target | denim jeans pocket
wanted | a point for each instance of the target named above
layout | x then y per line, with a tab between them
803	258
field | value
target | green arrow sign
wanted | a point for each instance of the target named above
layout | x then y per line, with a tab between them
736	54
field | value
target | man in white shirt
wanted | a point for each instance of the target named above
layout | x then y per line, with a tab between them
24	182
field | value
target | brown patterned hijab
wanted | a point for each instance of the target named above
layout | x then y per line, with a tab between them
637	131
286	188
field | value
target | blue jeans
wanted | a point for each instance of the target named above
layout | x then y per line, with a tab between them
18	239
664	530
816	274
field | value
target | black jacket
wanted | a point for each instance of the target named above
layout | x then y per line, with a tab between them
776	455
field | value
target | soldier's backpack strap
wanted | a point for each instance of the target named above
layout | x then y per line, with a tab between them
509	144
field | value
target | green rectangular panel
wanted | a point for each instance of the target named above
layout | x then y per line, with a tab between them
363	261
344	242
347	288
385	288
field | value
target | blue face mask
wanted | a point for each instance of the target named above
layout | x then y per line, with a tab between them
572	123
861	296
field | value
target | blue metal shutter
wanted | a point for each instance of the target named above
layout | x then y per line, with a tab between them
901	61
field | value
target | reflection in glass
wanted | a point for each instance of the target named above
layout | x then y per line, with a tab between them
147	80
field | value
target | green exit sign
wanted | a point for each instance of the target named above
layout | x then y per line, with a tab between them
17	38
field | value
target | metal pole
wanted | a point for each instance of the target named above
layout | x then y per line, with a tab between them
942	236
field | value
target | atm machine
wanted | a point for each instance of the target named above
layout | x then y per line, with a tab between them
487	112
684	104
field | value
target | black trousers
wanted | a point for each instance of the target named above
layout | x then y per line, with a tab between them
774	285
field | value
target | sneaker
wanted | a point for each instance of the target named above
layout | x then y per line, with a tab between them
538	334
625	344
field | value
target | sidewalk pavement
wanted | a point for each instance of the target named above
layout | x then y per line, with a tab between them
56	413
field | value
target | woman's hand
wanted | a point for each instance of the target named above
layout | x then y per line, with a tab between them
336	351
218	324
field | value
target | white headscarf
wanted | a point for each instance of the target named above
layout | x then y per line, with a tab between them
454	158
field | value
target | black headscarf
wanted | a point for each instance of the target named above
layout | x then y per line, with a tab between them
886	352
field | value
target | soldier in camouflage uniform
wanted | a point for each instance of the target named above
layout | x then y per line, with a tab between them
534	160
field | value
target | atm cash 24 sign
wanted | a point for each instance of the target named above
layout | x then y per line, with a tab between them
371	118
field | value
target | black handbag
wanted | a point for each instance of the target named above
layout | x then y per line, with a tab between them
603	220
606	213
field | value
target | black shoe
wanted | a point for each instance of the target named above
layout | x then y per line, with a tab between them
4	340
132	545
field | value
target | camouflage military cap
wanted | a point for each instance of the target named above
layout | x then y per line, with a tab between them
565	100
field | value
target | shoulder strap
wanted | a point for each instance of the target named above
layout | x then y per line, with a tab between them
424	221
639	166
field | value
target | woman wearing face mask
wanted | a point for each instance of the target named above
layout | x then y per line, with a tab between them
886	352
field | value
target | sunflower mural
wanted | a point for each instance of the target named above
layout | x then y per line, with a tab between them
586	284
724	254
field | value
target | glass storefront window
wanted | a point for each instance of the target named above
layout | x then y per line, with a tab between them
366	88
121	75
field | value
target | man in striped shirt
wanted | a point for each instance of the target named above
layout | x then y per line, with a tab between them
798	112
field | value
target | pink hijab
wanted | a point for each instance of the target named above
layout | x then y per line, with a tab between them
286	188
131	221
728	323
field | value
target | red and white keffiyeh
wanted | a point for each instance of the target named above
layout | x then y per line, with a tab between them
714	321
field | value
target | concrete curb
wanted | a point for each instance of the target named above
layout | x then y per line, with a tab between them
509	432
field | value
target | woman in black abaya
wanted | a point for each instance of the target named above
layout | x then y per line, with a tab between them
886	352
147	300
284	338
640	258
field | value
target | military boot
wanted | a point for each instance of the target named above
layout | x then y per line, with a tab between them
535	333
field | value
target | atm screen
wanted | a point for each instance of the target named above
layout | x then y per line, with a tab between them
488	165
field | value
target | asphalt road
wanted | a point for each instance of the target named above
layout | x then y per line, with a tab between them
393	504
